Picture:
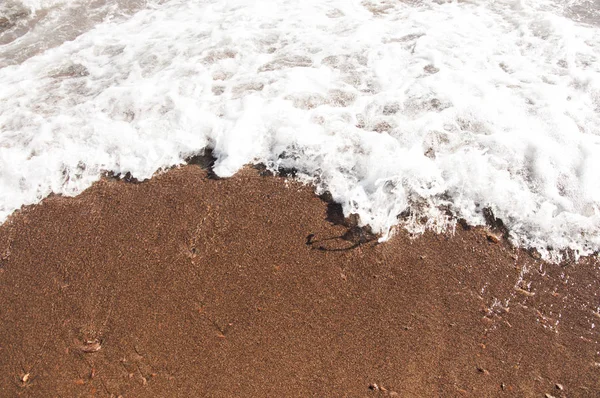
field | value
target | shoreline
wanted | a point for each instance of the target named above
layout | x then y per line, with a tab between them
184	285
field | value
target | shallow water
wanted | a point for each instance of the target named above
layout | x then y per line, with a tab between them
421	108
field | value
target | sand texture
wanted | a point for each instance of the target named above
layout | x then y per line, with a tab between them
188	286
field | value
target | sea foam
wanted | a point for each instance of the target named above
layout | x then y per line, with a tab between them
426	108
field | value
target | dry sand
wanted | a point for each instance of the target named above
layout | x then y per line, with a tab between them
186	286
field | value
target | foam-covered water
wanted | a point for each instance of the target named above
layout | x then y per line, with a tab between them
420	107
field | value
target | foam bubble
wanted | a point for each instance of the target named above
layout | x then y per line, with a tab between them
425	108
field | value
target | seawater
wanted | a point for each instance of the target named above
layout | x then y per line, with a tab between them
420	107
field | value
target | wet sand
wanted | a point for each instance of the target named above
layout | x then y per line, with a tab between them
186	286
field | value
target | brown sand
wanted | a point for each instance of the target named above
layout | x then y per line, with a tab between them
186	286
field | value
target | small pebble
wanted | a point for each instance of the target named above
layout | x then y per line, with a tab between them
493	238
91	346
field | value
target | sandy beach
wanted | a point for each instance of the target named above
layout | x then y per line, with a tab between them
156	240
252	286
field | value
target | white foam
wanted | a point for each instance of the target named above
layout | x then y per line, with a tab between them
388	105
